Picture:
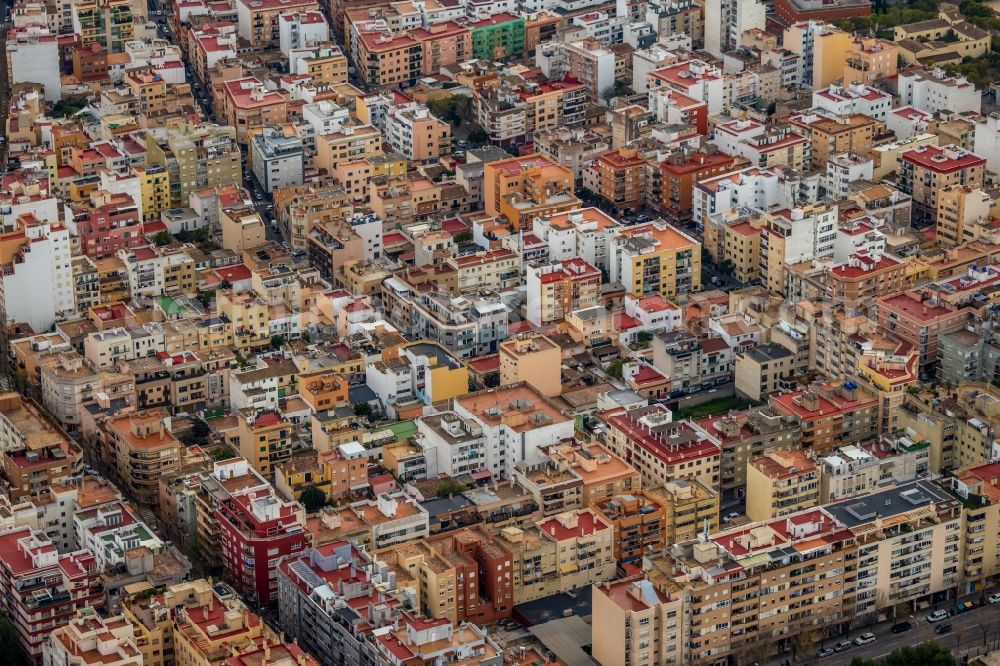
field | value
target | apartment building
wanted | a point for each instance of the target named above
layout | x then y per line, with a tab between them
563	553
259	20
195	157
90	640
655	258
926	171
468	326
765	369
865	275
660	449
278	160
830	415
690	362
782	578
674	180
519	423
532	359
603	474
745	435
621	178
37	455
200	611
139	447
256	530
413	132
462	576
937	90
870	60
246	104
105	223
780	483
639	522
637	623
265	438
108	23
848	471
323	596
36	285
962	211
909	541
507	183
920	318
42	588
555	289
384	60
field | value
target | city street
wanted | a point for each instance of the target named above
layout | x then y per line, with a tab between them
970	630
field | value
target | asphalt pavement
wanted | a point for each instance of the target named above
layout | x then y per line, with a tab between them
970	632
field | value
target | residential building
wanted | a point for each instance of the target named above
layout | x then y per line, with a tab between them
256	531
563	553
743	436
830	416
518	421
36	286
909	541
416	134
655	258
920	318
780	483
621	178
926	171
662	450
89	640
534	360
139	447
259	23
557	288
61	584
849	471
265	438
935	90
278	160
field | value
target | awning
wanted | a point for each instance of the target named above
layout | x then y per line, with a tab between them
481	475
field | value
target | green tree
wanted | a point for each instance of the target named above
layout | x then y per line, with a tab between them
478	137
363	409
161	238
197	434
615	368
925	654
277	341
313	499
448	487
463	238
9	641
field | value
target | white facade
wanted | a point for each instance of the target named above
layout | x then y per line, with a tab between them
987	141
302	29
844	169
907	121
937	91
37	287
727	20
452	446
507	446
855	98
33	57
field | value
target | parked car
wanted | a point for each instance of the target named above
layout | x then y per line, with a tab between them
993	598
730	517
842	645
942	628
937	616
901	627
865	638
825	652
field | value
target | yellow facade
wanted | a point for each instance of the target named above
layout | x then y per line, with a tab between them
155	188
535	360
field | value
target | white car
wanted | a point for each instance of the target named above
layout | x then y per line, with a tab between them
993	598
865	639
937	616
